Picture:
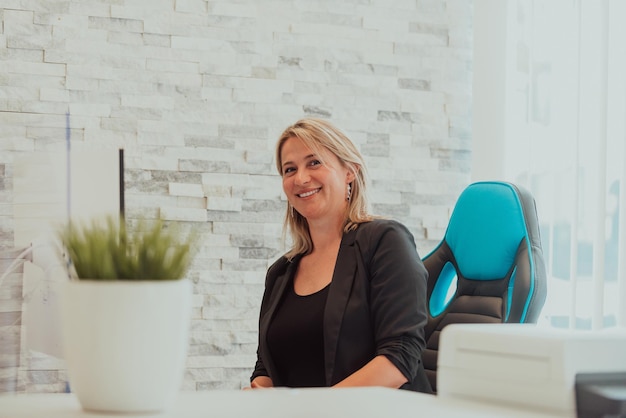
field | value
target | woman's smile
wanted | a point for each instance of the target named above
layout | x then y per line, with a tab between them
309	193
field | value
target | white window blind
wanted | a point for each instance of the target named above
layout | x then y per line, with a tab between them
565	130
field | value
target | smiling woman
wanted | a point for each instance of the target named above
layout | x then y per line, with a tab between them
346	306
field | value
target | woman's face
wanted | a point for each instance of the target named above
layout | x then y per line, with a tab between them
316	190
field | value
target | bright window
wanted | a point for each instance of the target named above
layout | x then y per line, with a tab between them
564	132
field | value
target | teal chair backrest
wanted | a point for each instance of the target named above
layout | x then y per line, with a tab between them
489	267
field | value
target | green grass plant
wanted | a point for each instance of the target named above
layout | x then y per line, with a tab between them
106	249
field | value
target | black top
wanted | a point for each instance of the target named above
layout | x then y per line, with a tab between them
296	338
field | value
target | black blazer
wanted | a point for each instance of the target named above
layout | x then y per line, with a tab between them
376	305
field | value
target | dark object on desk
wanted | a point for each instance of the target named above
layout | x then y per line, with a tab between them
489	267
601	395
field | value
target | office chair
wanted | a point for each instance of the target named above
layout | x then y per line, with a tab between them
488	268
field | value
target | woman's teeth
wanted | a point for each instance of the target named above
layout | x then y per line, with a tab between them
307	194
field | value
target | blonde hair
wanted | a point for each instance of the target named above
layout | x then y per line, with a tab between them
318	134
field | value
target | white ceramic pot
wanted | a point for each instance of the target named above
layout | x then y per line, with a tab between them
125	342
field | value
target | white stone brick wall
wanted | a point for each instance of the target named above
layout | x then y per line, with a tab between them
197	91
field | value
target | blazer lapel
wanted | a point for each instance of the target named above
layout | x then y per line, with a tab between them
278	290
338	295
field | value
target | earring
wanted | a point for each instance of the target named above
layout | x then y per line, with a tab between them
349	192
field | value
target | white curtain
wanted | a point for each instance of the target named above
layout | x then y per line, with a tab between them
564	136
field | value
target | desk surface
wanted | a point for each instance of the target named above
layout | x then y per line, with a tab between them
276	403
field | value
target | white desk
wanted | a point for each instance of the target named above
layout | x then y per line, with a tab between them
277	403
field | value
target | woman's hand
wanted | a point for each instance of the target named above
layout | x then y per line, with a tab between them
260	382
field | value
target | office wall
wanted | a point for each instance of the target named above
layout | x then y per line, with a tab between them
197	91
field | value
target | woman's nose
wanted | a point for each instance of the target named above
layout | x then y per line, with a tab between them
302	177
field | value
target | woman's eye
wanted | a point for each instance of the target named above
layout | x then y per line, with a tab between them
288	170
315	162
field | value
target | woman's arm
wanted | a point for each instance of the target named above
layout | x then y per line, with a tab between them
378	372
398	303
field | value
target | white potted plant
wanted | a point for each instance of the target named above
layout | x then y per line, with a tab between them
125	314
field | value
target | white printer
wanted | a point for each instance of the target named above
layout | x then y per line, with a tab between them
524	365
